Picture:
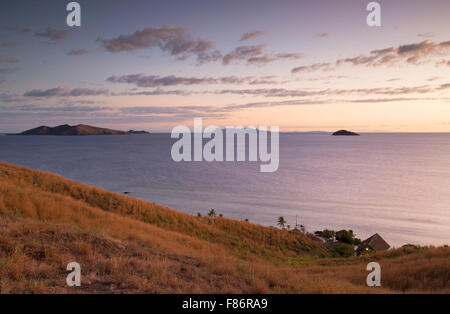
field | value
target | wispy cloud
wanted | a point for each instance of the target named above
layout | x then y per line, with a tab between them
274	57
433	78
243	53
53	35
322	35
77	52
175	40
141	80
55	109
325	66
156	81
443	62
282	92
251	35
426	35
412	54
64	91
256	55
18	29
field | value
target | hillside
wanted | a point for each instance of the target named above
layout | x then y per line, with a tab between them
127	245
65	129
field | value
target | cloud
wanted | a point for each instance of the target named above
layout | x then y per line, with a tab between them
254	55
177	42
168	110
64	91
7	98
382	100
243	52
55	109
172	80
271	58
174	40
312	101
312	68
443	86
322	35
78	52
282	92
251	35
412	54
426	35
158	92
53	35
443	62
17	29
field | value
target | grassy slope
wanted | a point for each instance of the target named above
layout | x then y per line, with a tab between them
128	245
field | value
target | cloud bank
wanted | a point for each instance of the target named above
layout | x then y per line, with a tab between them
174	40
412	54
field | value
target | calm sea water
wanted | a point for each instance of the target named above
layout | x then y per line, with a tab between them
395	184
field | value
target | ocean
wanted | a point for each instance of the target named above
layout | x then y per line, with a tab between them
397	185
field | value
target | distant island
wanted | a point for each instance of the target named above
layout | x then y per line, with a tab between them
65	129
345	132
138	132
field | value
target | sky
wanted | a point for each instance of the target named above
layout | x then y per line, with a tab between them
154	65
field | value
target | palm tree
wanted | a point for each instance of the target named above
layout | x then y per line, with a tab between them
212	213
281	222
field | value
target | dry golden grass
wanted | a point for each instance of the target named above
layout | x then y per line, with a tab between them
127	245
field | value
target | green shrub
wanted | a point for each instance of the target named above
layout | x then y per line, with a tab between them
342	250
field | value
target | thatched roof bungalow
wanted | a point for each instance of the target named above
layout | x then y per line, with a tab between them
374	243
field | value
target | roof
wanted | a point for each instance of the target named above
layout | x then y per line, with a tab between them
375	242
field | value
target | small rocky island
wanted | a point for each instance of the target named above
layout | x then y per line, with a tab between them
345	133
138	132
65	129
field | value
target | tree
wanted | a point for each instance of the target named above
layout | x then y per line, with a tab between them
199	215
212	213
347	236
281	222
326	234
